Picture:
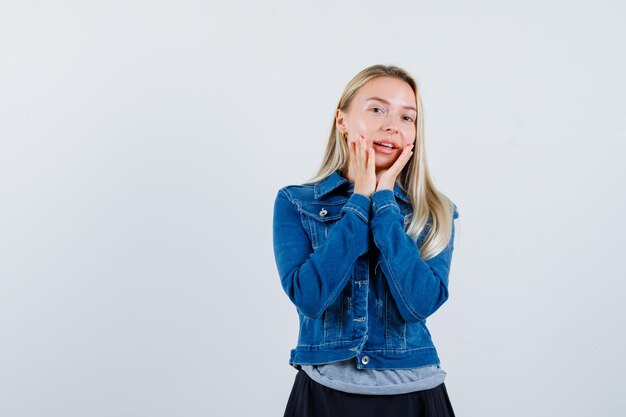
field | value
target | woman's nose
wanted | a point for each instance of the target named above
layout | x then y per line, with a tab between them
389	126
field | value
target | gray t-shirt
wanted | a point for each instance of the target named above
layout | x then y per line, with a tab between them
345	376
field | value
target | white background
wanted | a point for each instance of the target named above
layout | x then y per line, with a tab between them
142	144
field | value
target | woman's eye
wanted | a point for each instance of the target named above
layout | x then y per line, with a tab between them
408	118
376	109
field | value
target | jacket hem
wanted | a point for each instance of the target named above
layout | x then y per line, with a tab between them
376	358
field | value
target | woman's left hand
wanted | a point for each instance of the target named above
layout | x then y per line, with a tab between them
388	177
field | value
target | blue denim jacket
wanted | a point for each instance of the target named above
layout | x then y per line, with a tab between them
357	279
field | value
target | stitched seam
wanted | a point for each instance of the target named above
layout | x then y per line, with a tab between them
387	319
395	284
357	211
323	203
287	194
369	350
384	206
402	295
329	343
398	350
332	295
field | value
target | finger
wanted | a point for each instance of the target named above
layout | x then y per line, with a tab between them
362	154
356	153
362	150
404	157
350	154
371	162
355	156
400	163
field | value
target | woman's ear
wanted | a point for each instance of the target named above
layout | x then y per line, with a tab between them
340	121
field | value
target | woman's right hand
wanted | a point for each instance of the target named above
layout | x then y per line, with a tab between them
362	166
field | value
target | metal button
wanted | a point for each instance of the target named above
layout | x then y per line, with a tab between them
365	360
323	212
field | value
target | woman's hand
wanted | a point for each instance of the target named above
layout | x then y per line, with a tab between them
387	178
362	165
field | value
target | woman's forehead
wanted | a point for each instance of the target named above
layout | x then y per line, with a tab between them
388	90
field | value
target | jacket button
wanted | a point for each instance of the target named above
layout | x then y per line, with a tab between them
323	212
365	360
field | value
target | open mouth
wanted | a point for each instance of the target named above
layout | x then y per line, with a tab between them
386	145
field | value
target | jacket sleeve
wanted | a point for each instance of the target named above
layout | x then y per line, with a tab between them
418	287
314	278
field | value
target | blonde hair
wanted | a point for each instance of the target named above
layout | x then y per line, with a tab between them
414	179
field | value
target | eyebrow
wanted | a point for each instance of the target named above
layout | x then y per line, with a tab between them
387	103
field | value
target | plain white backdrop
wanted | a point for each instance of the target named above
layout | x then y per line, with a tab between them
142	144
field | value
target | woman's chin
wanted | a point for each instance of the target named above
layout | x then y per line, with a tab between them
384	163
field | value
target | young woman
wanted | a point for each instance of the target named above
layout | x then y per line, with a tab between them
363	251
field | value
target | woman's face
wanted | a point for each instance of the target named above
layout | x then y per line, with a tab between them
383	111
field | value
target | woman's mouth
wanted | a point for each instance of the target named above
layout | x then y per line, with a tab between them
385	148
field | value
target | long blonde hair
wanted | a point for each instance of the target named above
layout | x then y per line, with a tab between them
414	179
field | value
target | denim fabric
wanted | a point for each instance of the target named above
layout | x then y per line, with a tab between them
356	278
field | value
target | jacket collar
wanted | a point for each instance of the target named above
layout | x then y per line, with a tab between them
335	180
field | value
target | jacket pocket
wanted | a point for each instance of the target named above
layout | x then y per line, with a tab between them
338	323
403	335
395	326
318	218
417	335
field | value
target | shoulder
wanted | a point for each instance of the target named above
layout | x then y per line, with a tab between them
298	192
294	198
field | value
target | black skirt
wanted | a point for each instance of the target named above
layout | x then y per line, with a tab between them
311	399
